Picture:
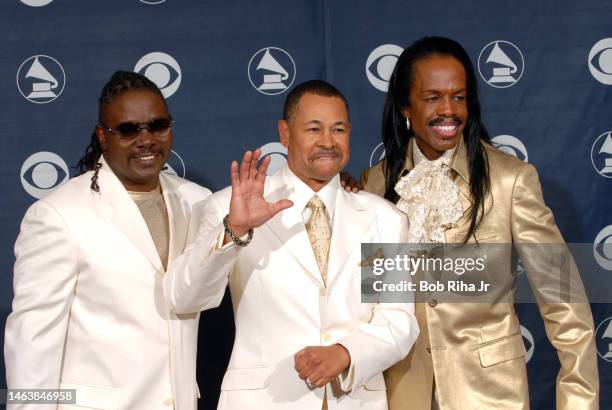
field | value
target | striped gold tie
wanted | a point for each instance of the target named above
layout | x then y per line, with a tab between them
319	233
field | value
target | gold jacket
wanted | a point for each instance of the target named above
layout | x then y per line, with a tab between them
476	350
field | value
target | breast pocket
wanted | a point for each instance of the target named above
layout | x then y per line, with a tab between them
92	397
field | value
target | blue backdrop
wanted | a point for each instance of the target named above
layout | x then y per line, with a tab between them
545	74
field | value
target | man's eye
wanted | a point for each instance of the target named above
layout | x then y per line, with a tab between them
312	130
431	99
340	130
459	98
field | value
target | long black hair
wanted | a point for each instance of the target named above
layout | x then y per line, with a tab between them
396	135
120	82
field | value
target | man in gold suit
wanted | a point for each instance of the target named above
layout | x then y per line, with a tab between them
441	170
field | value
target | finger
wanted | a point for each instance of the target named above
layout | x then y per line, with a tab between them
278	206
263	169
301	360
245	165
253	166
319	381
234	174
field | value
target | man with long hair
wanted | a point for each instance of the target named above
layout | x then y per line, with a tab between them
456	188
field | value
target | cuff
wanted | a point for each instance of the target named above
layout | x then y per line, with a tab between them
346	379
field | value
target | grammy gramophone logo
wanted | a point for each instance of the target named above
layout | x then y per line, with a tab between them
501	64
41	79
271	70
603	339
601	154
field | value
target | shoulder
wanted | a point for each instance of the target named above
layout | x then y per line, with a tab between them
373	179
500	162
188	190
68	199
510	177
71	193
383	208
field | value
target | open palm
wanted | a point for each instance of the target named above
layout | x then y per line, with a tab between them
248	208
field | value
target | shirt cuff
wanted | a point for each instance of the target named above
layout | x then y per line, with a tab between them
346	379
219	247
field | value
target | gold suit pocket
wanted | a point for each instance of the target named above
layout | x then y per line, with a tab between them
501	350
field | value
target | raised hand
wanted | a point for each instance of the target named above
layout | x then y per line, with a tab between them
248	208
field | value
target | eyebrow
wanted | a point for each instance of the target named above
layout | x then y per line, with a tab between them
463	90
317	122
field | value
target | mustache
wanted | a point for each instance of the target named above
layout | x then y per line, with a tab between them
454	120
326	152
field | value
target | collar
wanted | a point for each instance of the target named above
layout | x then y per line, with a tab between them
302	193
458	163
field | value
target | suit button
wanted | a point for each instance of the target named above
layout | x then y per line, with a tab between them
326	337
433	303
429	349
168	402
322	291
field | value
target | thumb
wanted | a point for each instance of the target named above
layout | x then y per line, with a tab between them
278	206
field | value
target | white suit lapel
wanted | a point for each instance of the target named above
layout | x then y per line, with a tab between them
126	216
288	226
177	218
351	220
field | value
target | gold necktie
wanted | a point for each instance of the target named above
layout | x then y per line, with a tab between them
319	233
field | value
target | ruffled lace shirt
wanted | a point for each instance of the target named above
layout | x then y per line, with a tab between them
429	198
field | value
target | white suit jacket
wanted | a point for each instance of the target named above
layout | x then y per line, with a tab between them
89	312
281	304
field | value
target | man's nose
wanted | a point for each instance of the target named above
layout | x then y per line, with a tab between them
446	108
326	139
145	137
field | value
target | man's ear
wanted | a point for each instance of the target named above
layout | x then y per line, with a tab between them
283	133
406	112
101	137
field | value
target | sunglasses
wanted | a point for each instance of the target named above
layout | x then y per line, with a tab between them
159	127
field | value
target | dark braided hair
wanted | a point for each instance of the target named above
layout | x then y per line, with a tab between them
396	135
119	83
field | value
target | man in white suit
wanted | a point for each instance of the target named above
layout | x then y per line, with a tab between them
89	312
289	244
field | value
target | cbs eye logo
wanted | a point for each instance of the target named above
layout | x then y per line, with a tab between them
600	61
602	248
277	153
511	145
42	172
162	69
175	165
380	64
